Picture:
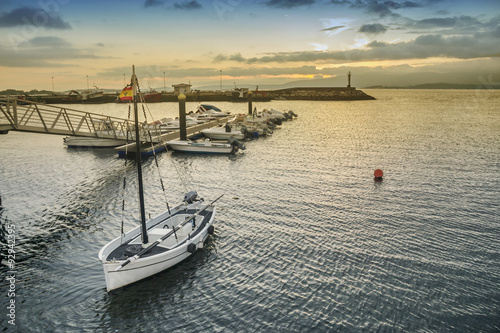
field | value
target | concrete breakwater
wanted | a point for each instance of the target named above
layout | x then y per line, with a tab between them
321	93
304	93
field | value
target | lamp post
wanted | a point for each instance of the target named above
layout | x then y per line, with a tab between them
221	80
164	84
53	86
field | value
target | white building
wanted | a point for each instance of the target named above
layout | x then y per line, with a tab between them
181	88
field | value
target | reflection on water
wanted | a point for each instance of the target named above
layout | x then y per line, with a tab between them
305	239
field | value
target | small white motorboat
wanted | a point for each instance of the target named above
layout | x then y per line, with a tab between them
223	132
206	146
211	110
90	142
103	128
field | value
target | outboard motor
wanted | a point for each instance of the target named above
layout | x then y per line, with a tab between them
271	124
267	130
228	128
277	121
291	113
236	144
287	116
244	131
191	197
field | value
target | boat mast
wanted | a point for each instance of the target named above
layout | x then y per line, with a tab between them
144	232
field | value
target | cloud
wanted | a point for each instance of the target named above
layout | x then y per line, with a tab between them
188	5
426	46
446	22
466	71
381	8
45	51
45	42
152	3
372	29
32	16
234	57
377	44
288	4
319	47
333	28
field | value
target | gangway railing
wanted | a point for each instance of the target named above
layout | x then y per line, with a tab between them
27	116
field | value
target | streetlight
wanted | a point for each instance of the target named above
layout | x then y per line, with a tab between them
164	84
221	80
53	86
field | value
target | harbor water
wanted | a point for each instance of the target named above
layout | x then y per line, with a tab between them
305	239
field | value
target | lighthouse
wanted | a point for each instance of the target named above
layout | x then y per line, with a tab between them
349	80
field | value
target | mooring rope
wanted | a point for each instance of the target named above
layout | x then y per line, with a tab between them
125	173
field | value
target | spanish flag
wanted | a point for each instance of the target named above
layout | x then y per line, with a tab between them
127	94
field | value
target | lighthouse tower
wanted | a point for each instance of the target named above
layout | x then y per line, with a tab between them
349	80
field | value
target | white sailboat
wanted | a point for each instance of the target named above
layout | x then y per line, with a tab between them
159	243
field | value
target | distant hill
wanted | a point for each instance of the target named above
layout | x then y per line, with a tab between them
47	92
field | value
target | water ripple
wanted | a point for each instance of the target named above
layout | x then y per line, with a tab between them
305	240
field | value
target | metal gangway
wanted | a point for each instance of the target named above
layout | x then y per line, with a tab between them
27	116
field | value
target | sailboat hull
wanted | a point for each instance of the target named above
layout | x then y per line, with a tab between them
168	253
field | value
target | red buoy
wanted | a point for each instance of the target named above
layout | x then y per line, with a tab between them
378	174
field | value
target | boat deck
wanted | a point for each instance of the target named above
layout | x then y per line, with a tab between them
130	248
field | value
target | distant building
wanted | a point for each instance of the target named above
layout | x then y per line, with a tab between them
181	88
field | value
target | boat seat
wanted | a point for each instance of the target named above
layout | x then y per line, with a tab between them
156	234
185	230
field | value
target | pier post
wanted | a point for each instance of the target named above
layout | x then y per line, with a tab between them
250	103
182	116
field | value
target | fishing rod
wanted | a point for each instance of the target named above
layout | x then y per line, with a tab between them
174	229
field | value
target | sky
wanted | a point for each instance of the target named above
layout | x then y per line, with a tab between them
68	44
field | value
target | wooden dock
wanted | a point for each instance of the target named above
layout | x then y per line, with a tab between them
159	142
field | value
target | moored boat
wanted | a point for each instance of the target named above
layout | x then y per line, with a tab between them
90	142
206	146
159	243
223	133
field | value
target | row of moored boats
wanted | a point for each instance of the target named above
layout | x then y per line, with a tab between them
225	138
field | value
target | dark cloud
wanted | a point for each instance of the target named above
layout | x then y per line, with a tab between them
188	5
340	2
46	42
333	28
372	29
496	32
446	22
152	3
377	44
381	8
287	4
44	51
32	16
